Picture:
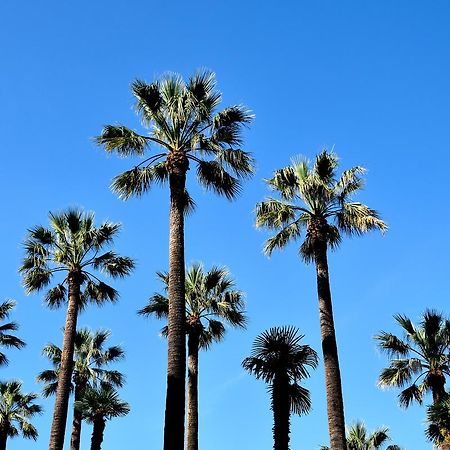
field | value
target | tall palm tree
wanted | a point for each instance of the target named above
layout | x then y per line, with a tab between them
419	361
280	360
314	200
90	358
184	124
438	418
72	247
6	339
358	438
16	410
99	405
210	300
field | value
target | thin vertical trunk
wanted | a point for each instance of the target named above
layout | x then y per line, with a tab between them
65	371
335	403
192	393
281	412
76	423
3	438
438	387
97	433
176	367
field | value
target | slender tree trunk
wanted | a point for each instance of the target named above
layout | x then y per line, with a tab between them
176	367
97	433
192	393
335	403
281	413
3	438
65	371
438	388
76	423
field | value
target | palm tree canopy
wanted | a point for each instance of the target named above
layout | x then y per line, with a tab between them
73	244
210	299
315	199
278	351
16	408
418	357
184	124
90	358
438	418
6	338
102	402
358	438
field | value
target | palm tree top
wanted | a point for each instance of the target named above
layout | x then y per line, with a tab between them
183	122
210	296
6	339
73	245
314	198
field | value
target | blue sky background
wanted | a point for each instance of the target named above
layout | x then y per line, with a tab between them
370	78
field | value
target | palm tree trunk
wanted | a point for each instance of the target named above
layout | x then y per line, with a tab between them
176	366
3	438
97	433
335	403
192	394
65	371
281	413
76	423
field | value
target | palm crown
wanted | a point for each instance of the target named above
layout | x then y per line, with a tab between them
209	296
419	360
185	125
16	408
90	357
7	339
315	199
278	352
438	418
73	244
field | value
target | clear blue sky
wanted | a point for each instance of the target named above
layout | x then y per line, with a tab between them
370	78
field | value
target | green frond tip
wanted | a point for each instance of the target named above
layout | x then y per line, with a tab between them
121	139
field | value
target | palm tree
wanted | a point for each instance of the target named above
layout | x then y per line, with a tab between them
438	430
210	300
280	360
419	361
6	339
358	438
90	357
73	247
16	408
99	405
186	127
315	200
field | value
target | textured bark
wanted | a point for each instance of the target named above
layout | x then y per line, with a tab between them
176	367
335	403
65	371
3	438
281	412
97	433
192	393
77	421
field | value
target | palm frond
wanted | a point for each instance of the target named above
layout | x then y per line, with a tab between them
121	139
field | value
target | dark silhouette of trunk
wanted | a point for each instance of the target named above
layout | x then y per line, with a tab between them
176	365
97	433
192	393
437	382
335	403
65	370
77	414
281	412
3	438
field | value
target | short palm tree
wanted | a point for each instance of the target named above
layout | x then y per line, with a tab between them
16	410
438	418
419	360
210	300
6	339
358	438
99	405
90	359
187	129
282	362
314	200
72	247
